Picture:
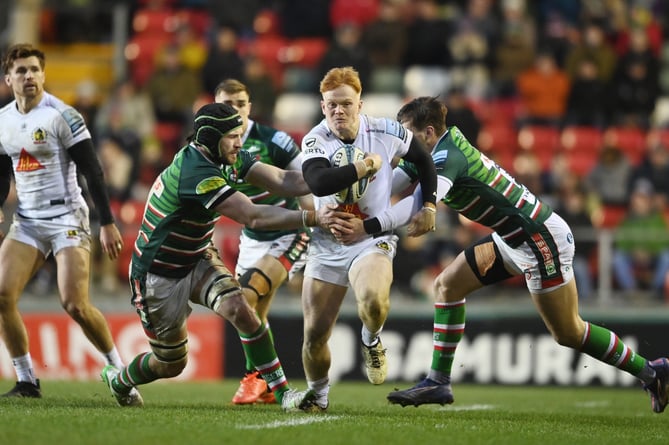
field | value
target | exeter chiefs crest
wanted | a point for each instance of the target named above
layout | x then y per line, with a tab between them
39	136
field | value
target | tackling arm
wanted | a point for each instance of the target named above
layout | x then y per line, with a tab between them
277	181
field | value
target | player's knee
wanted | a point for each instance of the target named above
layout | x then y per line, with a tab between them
234	308
257	281
74	310
171	359
314	341
374	306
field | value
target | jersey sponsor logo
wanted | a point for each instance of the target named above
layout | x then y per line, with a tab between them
39	136
354	209
73	119
27	162
393	128
283	140
310	142
72	233
209	184
314	151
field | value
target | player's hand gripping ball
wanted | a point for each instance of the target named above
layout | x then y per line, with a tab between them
343	156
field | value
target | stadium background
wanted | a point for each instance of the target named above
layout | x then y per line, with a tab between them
92	46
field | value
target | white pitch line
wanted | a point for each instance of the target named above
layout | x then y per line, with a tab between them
593	404
477	407
294	421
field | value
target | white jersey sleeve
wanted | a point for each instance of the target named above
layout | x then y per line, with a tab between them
37	142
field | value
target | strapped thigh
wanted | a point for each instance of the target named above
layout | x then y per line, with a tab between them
486	262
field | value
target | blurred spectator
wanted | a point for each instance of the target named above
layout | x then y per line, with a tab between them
346	49
385	38
459	114
473	34
639	15
235	15
557	21
514	52
192	48
543	91
428	35
654	168
119	152
173	88
641	251
86	101
610	177
636	82
223	60
594	47
260	82
588	102
572	206
304	18
128	108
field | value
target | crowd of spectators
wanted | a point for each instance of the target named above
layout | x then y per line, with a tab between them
501	66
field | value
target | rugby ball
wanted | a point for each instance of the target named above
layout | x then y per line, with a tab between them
345	155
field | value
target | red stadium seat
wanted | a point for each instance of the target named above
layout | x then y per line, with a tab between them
153	21
498	137
267	48
140	52
360	12
542	140
579	138
305	52
580	162
503	111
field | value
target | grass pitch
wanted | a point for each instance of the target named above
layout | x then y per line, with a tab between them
201	413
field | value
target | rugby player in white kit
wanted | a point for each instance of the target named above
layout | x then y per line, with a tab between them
366	265
44	143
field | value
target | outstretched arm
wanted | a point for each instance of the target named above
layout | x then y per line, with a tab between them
240	208
409	210
277	181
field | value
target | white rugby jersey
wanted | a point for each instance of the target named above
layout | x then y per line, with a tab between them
383	136
37	142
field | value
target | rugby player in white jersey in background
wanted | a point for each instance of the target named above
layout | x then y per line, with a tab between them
46	143
367	265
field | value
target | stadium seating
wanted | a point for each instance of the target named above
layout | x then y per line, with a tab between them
543	141
582	138
498	137
153	21
140	52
